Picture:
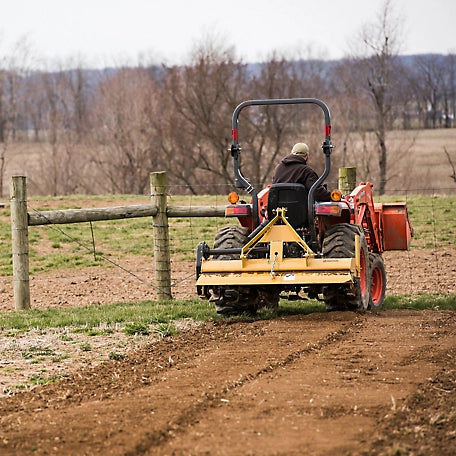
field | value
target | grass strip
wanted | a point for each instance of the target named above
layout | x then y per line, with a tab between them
142	314
146	313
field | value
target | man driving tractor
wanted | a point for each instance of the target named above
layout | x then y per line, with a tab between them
294	169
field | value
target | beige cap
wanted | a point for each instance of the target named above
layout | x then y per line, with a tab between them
300	149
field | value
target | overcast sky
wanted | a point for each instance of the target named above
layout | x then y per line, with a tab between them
104	31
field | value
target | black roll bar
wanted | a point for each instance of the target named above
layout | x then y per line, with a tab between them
242	182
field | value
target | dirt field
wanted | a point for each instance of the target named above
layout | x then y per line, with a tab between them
322	384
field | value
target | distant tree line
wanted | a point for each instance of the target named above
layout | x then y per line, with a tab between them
104	131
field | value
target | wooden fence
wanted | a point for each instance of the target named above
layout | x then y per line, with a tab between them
21	219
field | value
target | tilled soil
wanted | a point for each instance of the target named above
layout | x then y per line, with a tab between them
379	383
321	384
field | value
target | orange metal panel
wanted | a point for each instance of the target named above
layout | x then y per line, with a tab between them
397	230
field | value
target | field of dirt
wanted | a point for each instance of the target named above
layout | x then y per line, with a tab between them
321	384
379	383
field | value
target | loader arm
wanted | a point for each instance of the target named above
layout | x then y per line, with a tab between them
363	214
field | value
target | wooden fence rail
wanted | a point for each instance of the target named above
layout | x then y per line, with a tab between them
158	210
56	217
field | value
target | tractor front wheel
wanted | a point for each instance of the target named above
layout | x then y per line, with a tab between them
378	281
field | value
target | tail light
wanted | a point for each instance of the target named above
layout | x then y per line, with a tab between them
238	210
329	209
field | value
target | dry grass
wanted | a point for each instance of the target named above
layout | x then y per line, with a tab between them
416	161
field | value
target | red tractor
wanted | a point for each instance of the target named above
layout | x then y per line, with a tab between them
288	245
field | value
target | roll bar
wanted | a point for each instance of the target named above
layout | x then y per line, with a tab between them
242	182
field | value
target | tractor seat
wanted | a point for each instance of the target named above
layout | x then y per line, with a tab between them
294	198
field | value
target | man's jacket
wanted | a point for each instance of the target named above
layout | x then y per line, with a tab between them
294	169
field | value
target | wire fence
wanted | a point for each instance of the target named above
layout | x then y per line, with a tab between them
112	261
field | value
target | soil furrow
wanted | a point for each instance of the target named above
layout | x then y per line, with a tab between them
213	398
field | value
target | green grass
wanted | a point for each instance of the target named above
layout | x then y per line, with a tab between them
133	329
85	347
116	356
433	219
88	318
39	380
37	351
421	302
159	317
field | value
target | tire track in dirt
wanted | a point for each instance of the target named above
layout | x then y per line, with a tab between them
426	423
213	399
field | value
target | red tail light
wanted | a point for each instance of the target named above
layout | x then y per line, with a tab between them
328	209
238	210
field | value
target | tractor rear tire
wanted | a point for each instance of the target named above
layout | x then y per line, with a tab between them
339	242
230	237
233	300
378	281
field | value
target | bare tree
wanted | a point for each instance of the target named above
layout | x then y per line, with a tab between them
404	110
195	126
432	77
124	151
14	67
352	112
106	133
270	132
448	86
429	69
77	95
452	87
54	165
381	46
54	108
34	104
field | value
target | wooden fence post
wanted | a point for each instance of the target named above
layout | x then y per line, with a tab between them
19	228
161	236
347	180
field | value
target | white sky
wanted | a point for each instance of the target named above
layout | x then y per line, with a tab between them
104	31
